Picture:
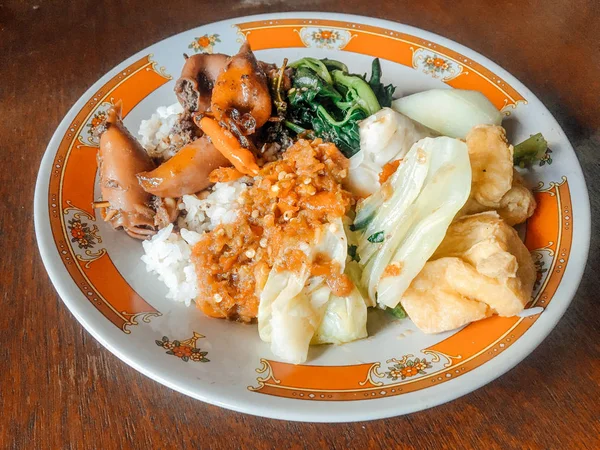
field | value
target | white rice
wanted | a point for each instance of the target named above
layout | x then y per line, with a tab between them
154	132
220	206
168	253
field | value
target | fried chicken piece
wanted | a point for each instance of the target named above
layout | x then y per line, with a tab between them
496	185
481	268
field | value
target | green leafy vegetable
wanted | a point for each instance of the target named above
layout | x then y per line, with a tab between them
316	66
383	93
328	100
376	238
362	221
309	85
352	253
358	92
295	128
530	150
398	311
332	64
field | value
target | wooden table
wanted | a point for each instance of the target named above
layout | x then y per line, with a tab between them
60	389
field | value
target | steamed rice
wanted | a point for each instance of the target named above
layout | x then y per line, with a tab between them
168	253
220	206
155	132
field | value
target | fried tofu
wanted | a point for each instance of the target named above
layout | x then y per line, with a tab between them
481	268
496	185
518	204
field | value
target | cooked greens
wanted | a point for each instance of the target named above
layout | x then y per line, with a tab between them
397	311
383	93
328	100
530	150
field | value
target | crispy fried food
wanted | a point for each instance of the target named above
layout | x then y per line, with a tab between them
481	268
444	296
496	185
491	162
518	204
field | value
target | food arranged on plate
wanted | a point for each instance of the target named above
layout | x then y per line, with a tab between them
298	196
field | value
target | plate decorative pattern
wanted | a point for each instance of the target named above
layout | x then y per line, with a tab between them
419	372
71	193
549	234
185	350
402	48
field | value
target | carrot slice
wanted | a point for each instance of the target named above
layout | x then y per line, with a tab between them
241	158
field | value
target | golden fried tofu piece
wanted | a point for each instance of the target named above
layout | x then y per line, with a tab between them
491	163
441	297
496	185
518	204
480	268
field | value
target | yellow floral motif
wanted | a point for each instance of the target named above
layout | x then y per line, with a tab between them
205	44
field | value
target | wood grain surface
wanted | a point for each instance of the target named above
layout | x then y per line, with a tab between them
59	389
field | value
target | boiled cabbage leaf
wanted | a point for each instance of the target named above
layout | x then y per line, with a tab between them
450	112
428	189
384	137
296	308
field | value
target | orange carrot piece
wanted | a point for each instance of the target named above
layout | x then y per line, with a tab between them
241	158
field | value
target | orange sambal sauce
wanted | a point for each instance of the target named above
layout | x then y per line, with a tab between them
289	202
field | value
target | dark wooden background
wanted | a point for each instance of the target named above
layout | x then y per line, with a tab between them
60	389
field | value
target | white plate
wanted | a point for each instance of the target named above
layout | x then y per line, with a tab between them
398	370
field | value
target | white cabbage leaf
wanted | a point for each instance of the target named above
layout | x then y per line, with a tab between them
385	209
345	320
450	112
281	288
294	322
384	137
429	188
296	308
